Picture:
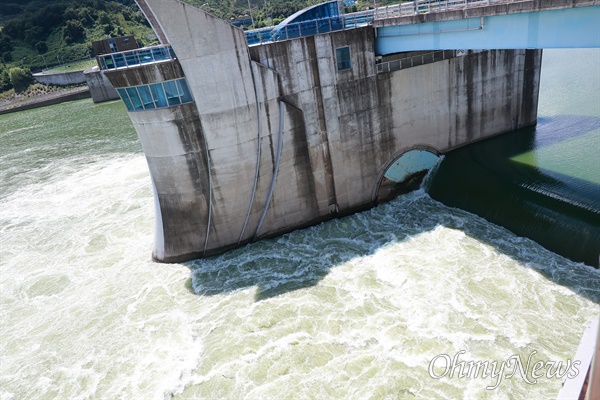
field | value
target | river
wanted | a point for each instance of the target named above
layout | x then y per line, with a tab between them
358	307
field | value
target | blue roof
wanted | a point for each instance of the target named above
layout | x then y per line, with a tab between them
292	17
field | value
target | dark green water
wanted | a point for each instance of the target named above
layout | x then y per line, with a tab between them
540	182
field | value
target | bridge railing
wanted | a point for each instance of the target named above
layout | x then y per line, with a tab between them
427	6
309	28
132	58
418	59
358	19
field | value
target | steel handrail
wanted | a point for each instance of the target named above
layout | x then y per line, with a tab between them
427	6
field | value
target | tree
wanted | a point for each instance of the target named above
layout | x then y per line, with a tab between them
7	57
5	43
41	47
20	78
73	31
4	81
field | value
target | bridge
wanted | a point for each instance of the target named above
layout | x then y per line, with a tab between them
457	24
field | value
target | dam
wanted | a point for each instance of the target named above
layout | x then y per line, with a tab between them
247	139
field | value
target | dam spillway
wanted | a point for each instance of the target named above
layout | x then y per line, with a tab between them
246	142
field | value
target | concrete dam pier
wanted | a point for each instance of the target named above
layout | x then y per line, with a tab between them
246	142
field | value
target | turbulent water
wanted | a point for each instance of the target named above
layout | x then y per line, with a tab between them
352	308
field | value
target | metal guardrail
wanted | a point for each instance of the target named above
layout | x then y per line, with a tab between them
416	60
427	6
132	58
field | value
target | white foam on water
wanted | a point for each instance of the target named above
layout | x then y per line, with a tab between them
352	308
85	313
403	290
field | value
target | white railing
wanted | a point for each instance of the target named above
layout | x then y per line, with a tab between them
427	6
416	60
136	57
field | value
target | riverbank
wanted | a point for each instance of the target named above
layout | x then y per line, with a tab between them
40	98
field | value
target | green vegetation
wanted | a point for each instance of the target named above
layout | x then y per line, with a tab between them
36	35
20	78
270	12
74	66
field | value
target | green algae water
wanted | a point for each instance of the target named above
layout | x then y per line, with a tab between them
355	308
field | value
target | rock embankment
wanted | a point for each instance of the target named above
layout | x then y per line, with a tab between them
20	102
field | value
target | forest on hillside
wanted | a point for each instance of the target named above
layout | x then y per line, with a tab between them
37	34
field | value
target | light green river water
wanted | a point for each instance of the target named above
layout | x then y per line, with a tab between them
355	308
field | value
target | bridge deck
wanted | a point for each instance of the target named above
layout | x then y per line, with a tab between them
453	24
419	11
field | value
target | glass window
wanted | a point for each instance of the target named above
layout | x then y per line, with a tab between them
156	95
184	91
131	58
119	60
342	56
145	56
125	97
159	95
172	93
146	97
160	53
110	62
135	98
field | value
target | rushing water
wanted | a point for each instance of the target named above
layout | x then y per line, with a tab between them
353	308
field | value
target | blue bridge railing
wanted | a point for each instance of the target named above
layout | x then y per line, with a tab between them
309	28
132	58
355	20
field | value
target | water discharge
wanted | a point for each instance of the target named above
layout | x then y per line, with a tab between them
352	308
542	182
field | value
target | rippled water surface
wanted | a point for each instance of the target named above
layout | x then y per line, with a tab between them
352	308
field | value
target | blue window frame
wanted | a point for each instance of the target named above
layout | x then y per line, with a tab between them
135	98
125	98
172	93
184	91
158	92
342	57
156	95
146	97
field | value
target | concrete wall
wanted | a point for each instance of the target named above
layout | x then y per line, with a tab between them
284	140
61	79
174	145
100	87
370	119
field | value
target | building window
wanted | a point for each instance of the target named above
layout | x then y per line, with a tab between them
156	95
342	57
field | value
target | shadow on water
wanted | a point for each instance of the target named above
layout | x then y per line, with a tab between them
303	258
293	261
540	183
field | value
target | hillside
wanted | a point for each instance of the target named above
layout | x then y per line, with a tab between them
38	34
